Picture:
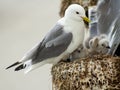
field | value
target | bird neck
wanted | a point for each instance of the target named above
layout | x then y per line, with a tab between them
73	24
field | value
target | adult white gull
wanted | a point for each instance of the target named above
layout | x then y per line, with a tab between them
63	39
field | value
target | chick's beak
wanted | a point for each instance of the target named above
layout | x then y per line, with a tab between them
108	47
86	19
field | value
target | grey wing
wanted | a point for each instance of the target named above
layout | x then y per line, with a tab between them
31	53
115	41
109	22
55	32
54	44
107	10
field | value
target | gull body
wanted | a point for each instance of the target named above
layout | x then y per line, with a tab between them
63	39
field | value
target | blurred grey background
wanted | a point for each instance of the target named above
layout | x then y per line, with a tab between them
23	23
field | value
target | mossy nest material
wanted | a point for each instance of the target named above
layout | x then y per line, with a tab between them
98	72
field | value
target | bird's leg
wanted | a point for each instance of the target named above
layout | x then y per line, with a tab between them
67	58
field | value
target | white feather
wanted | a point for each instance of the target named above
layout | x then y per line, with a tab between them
28	66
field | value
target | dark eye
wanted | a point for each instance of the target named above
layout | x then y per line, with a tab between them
78	51
103	45
77	12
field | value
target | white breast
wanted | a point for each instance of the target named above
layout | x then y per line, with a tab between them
78	31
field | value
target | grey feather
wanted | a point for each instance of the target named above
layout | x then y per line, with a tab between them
109	21
54	43
31	53
108	11
116	37
52	34
58	40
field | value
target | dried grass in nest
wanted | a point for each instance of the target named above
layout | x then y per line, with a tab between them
93	2
98	72
65	4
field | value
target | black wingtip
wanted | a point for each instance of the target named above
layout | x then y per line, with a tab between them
16	63
22	66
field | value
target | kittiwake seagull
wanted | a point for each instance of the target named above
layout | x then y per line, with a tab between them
64	38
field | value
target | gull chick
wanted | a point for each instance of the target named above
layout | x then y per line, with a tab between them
64	38
99	44
103	45
81	52
93	44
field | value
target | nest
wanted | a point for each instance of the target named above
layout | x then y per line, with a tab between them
99	72
84	3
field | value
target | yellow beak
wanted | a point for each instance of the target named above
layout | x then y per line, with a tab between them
86	19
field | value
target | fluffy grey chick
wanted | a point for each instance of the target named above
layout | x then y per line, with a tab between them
93	44
103	45
99	44
81	52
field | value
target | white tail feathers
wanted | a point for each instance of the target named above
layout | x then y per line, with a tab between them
28	66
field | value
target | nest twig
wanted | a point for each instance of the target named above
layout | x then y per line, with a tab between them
99	72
